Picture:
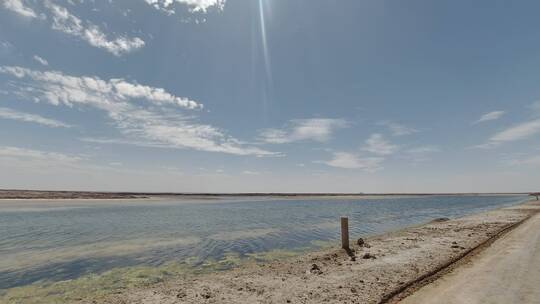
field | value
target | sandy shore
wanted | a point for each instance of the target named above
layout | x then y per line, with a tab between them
386	267
6	194
508	271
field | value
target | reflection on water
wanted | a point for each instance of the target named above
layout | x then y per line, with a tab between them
56	241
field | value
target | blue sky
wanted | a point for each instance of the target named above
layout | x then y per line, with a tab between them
270	95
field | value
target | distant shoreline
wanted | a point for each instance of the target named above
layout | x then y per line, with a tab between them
46	194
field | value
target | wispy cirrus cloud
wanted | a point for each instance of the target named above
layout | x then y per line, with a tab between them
19	7
65	22
517	132
520	131
7	113
420	153
40	60
533	161
57	88
315	129
9	152
194	5
378	145
397	129
156	122
490	116
347	160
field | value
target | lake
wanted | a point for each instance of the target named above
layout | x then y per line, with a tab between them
51	241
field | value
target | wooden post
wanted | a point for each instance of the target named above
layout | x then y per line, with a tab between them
345	232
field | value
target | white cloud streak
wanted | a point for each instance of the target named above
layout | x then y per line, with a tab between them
19	7
353	161
378	145
58	88
517	132
490	116
8	152
420	154
161	125
27	117
64	21
316	129
193	5
533	161
40	60
397	129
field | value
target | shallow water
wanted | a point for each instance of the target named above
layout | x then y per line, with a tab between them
60	240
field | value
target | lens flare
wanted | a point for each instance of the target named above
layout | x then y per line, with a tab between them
264	40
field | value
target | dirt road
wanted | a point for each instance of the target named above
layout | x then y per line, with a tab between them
506	272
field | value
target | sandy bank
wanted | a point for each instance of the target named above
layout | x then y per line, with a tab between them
395	260
6	194
508	271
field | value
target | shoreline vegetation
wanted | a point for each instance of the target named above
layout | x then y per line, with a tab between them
378	270
47	194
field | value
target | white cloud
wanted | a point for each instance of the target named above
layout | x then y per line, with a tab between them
59	88
533	161
70	24
40	60
65	22
20	8
352	161
378	145
517	132
27	117
155	126
420	154
317	129
490	116
8	152
194	5
423	150
248	172
397	129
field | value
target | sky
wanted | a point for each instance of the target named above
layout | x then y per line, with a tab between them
270	95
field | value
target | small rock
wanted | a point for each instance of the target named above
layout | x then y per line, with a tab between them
368	255
315	269
181	294
353	290
440	220
360	242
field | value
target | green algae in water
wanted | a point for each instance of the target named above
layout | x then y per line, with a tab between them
95	286
112	281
